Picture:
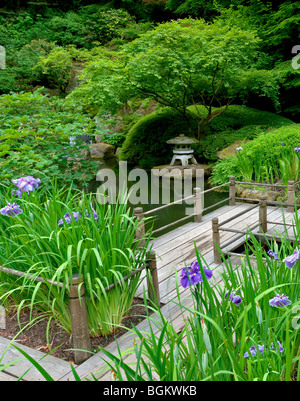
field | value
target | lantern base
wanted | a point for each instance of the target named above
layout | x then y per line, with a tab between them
184	159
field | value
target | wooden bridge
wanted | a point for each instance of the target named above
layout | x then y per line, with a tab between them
222	231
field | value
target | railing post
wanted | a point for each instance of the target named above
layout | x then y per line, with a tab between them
197	205
80	328
291	196
216	239
152	280
232	190
140	230
263	213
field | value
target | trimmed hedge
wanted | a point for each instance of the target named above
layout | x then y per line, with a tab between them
145	144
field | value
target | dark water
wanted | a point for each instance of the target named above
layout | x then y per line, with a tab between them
171	213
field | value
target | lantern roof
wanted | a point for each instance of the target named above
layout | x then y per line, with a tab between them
181	140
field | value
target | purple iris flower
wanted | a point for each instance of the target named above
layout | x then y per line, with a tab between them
68	217
281	349
191	275
11	209
290	261
236	299
297	149
27	184
17	192
253	350
280	300
273	254
96	216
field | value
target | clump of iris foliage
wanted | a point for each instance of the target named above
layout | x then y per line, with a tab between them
55	233
279	150
241	324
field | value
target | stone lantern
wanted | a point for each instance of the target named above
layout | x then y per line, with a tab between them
182	150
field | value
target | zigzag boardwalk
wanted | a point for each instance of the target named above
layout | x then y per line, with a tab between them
222	231
173	251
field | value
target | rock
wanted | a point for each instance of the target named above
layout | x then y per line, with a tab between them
102	150
177	171
98	138
230	150
118	150
254	193
84	155
272	195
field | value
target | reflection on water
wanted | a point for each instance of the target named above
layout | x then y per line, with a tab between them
169	214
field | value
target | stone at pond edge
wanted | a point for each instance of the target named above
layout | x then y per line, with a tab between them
102	150
254	193
118	150
179	172
231	150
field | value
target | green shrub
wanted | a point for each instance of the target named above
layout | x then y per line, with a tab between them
57	68
116	139
145	144
236	117
265	152
68	29
208	148
8	80
22	66
34	139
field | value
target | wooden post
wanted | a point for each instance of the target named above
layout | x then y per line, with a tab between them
232	190
216	239
80	328
140	230
263	214
291	196
152	280
197	205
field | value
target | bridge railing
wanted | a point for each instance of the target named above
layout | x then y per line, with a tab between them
262	222
260	203
77	301
198	210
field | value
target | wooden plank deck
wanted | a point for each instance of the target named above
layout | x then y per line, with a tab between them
174	250
54	366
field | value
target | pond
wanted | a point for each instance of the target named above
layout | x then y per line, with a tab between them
167	215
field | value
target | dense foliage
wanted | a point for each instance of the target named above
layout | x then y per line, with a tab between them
277	148
146	145
220	71
245	329
35	139
54	234
180	63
